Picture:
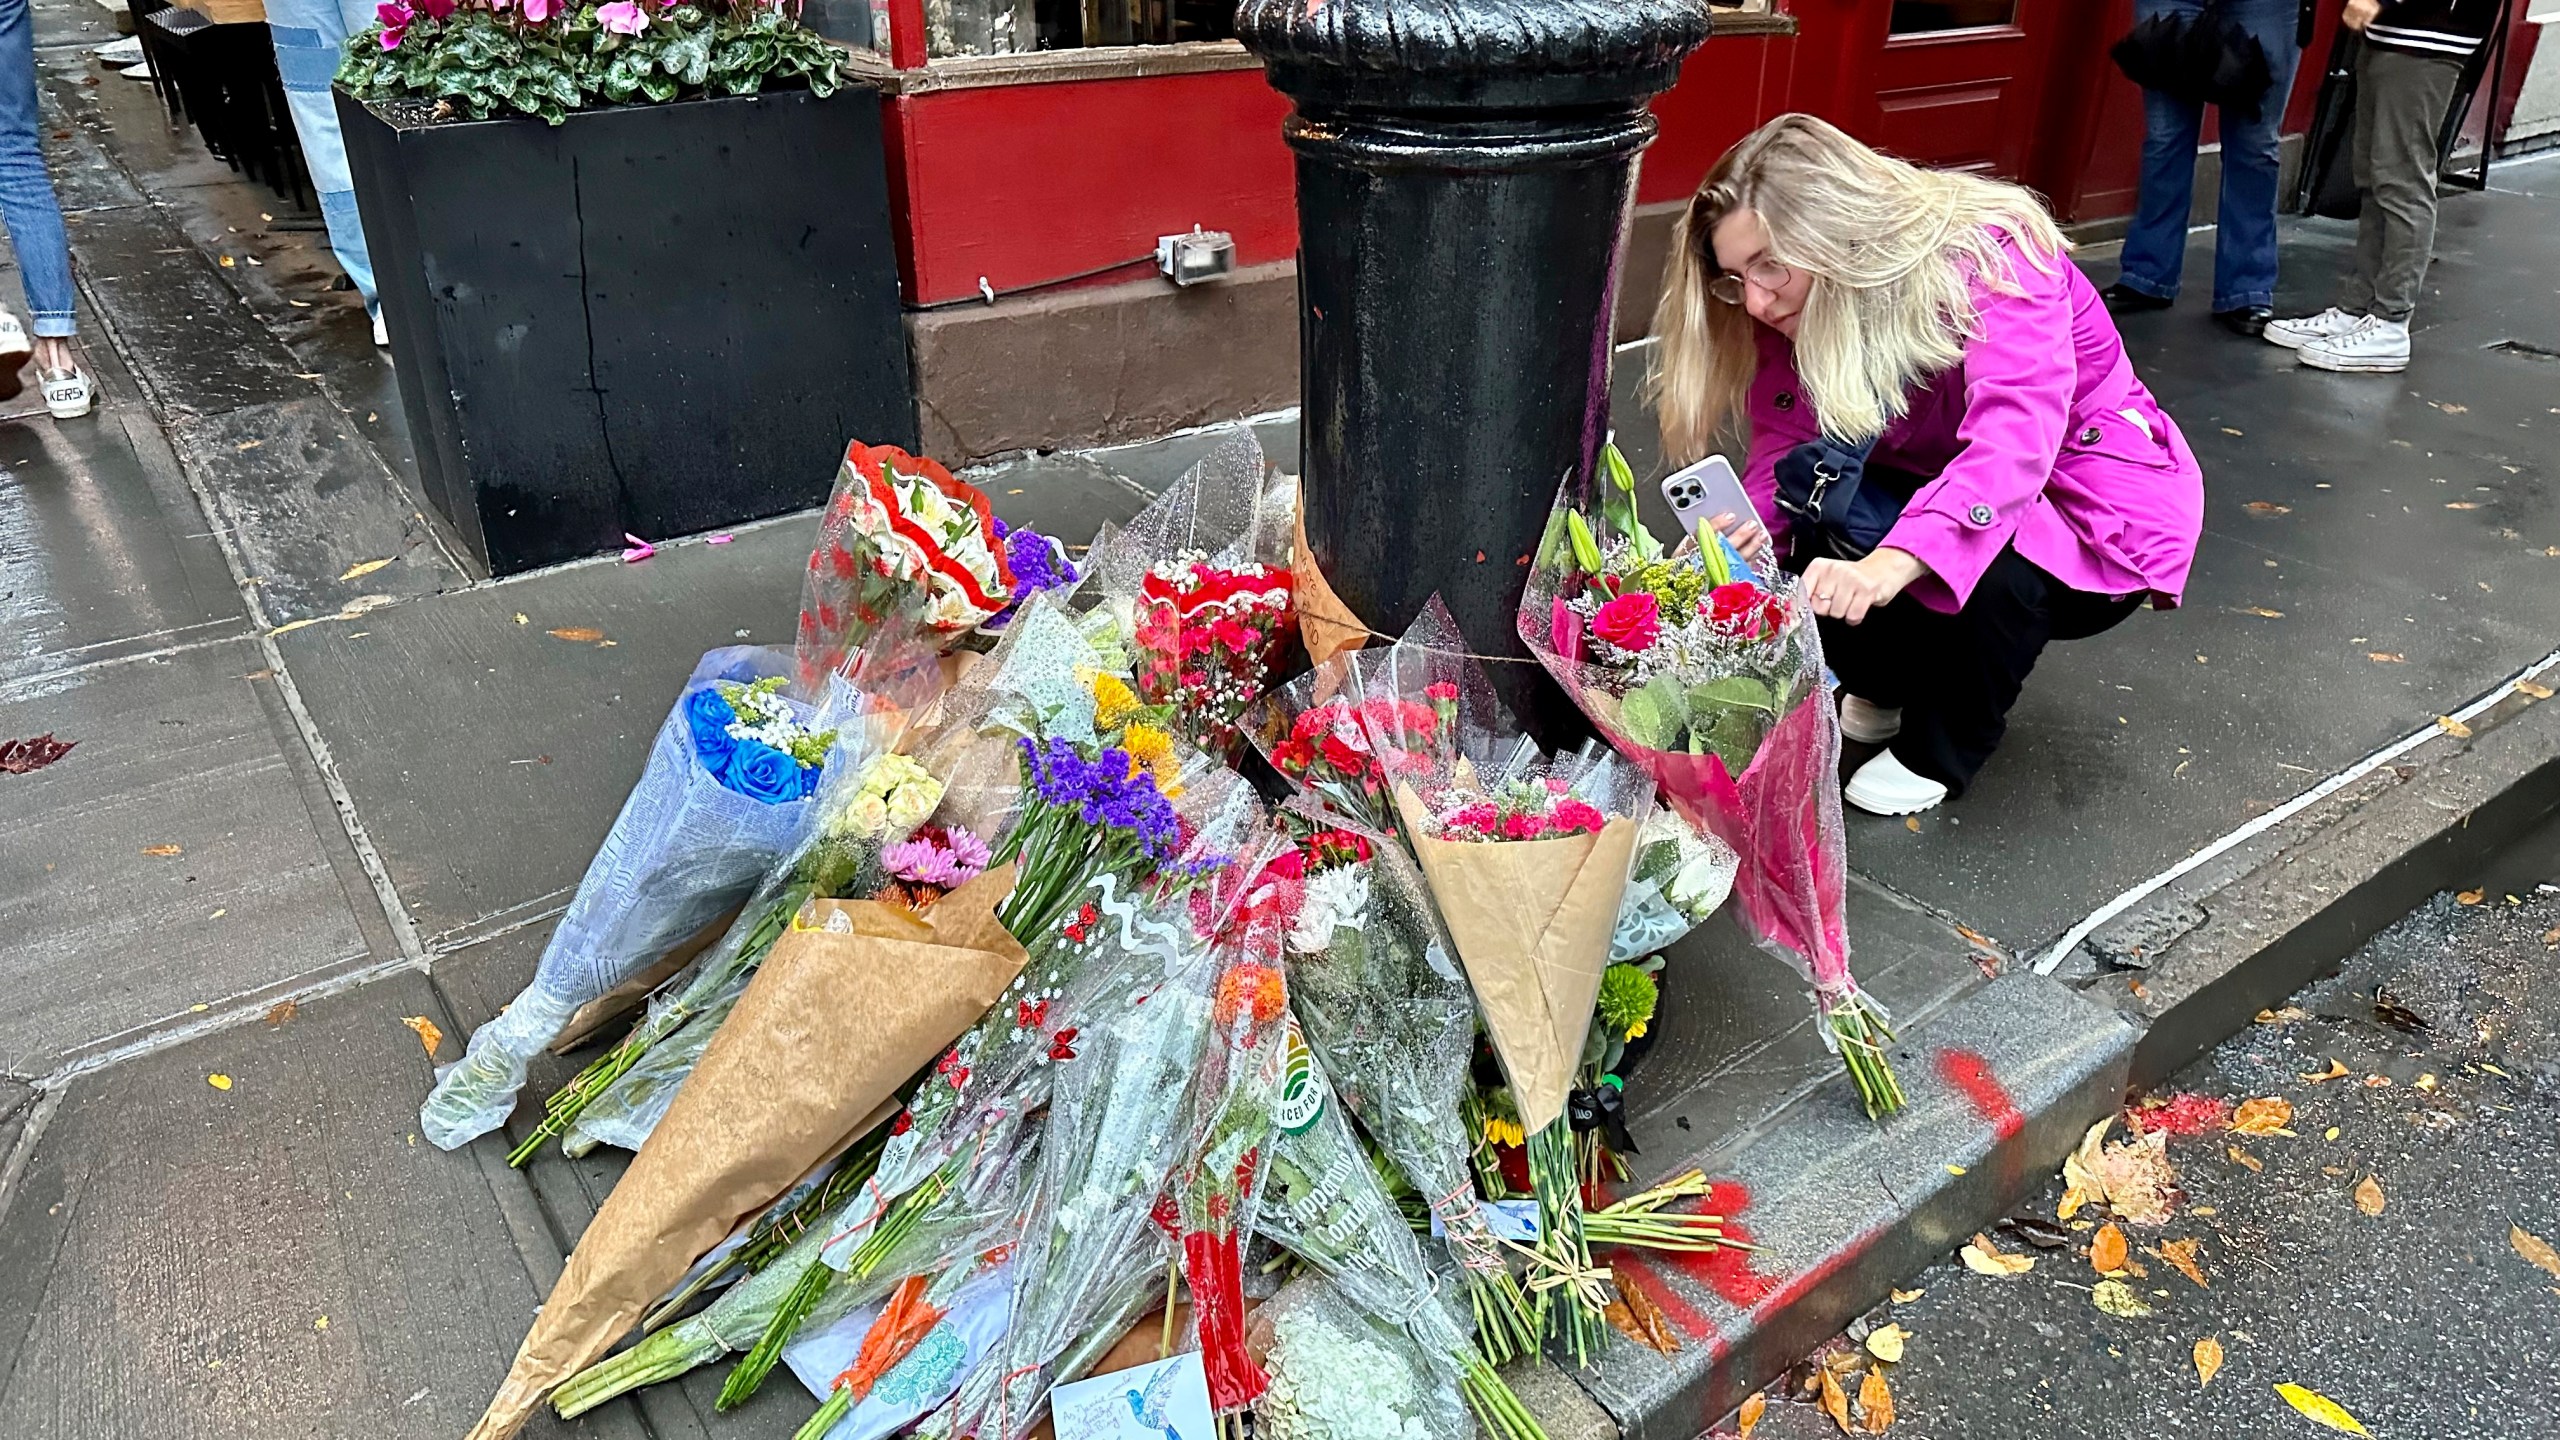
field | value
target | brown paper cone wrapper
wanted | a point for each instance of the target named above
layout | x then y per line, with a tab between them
831	1025
1326	626
1532	921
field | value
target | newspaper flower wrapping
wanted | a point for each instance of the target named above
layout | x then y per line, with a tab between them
1721	697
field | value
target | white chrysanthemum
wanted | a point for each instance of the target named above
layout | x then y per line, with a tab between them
1339	896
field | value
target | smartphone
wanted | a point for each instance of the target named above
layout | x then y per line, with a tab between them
1706	490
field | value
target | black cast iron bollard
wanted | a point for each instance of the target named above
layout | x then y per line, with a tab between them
1466	170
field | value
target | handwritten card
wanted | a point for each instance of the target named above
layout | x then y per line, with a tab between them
1166	1400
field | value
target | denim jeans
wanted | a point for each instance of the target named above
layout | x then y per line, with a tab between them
27	204
310	36
2244	243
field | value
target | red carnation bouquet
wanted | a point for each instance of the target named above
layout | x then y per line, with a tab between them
1206	633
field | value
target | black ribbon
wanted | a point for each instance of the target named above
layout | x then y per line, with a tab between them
1601	1107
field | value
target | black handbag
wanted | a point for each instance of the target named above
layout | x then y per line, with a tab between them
2202	58
1839	504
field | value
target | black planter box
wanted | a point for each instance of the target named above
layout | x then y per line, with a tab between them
654	318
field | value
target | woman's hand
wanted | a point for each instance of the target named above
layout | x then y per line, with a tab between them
1747	536
2360	13
1847	589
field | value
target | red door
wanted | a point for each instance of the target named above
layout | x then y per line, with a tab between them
1955	83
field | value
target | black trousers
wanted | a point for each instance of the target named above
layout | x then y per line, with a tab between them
1954	677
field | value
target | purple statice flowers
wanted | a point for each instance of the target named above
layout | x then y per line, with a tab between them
1110	790
935	856
1038	563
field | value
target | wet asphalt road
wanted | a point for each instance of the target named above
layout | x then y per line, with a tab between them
2424	1322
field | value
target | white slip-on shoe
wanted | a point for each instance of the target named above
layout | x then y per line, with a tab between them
2301	330
381	332
1885	786
2373	347
1866	722
66	393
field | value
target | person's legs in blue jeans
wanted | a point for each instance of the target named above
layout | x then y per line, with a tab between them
2244	244
2155	245
27	202
309	36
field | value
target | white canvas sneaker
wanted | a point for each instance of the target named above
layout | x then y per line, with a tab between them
1868	723
1885	786
66	393
2301	330
2373	346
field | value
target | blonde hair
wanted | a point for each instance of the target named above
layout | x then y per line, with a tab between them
1892	250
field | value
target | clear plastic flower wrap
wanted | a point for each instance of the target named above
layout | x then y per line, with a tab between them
1324	1205
1338	1374
904	549
1681	876
689	844
1711	677
632	1106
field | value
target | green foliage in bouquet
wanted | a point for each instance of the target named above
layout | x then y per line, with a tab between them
1727	717
537	58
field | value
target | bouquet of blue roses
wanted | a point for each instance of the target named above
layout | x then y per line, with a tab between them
727	792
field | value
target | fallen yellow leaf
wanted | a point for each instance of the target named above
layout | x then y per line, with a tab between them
2321	1409
1912	824
2262	612
1984	1258
522	619
1905	1297
2243	1157
2208	1360
2385	657
2118	1299
2329	1134
218	1080
284	1010
362	568
164	851
2264	1115
583	634
1886	1344
2534	1249
2538	692
1875	1403
2369	1196
1750	1413
2182	1253
2453	727
2471	897
1953	1169
2106	1250
320	1324
2335	1071
429	1034
1835	1402
2426	1081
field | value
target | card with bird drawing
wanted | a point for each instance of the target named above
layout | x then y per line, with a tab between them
1165	1400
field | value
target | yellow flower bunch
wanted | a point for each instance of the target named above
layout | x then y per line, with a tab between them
1501	1131
1151	750
1113	700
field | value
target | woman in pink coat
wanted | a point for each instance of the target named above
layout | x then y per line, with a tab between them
1828	293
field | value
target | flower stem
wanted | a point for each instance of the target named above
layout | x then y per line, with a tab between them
758	1362
662	1356
839	1404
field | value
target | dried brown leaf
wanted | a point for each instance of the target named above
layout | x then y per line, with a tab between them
2369	1196
2208	1360
2182	1254
1835	1403
1984	1258
1886	1342
430	1034
2538	692
1912	824
164	851
2453	727
362	568
2463	505
2267	507
1749	1415
2335	1071
2263	1115
2141	1185
582	634
1905	1297
2534	1249
2471	897
2386	657
2261	611
2244	1158
284	1010
2106	1250
1875	1403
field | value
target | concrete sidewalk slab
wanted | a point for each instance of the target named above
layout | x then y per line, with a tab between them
177	750
283	1257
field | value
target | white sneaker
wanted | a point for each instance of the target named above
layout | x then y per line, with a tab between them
1865	721
2301	330
66	393
1885	786
2373	346
381	332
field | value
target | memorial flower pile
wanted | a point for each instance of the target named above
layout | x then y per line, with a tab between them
901	544
1708	673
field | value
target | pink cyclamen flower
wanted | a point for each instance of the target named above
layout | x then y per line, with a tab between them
435	9
395	18
539	10
623	17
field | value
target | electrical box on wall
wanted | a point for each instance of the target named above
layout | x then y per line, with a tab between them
1200	255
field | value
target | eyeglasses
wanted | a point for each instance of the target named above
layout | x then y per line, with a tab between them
1766	273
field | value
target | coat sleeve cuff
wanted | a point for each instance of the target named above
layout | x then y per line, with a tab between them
1956	548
